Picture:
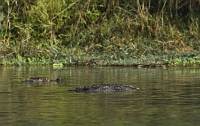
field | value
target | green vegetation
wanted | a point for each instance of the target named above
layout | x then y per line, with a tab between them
104	32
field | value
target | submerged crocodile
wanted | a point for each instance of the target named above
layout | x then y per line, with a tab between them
41	80
106	88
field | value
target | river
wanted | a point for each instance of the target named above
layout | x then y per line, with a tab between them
167	97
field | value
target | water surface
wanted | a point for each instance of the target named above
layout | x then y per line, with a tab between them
167	97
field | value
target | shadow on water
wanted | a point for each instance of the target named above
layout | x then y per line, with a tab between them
166	97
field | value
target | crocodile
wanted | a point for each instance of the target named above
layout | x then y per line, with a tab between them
41	80
105	88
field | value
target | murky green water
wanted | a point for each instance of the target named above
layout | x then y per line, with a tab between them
167	97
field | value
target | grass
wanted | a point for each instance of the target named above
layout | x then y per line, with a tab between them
99	32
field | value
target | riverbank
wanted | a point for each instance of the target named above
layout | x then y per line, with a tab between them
148	61
99	32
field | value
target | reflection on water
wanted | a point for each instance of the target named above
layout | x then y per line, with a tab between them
167	97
